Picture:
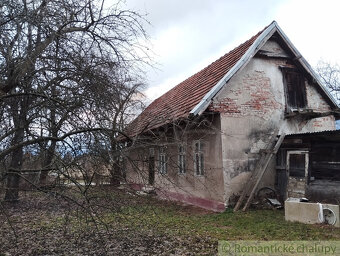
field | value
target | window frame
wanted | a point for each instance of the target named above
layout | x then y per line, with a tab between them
198	153
306	163
300	85
181	161
162	160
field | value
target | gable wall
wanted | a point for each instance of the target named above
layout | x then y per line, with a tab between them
252	106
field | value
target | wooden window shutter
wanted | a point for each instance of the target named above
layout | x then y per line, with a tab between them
296	90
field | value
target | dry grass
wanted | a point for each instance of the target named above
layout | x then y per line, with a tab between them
111	222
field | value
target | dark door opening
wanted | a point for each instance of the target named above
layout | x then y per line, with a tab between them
151	170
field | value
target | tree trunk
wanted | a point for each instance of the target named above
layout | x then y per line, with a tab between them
50	151
115	174
19	107
48	159
13	177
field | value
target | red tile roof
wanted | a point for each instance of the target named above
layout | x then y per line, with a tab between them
180	100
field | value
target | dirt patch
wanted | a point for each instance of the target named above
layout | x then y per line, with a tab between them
41	224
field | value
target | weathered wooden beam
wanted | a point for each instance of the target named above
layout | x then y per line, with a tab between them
273	54
251	180
263	170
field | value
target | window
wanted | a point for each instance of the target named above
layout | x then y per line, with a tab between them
151	152
162	161
151	166
199	157
297	165
181	159
295	90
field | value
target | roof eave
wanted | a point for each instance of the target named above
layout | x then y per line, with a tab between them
306	65
205	102
259	42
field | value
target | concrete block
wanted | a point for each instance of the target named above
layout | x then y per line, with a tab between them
301	212
307	212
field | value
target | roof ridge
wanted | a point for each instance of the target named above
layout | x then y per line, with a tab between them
209	65
180	100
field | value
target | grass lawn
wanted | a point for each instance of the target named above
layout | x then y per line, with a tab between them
250	225
122	224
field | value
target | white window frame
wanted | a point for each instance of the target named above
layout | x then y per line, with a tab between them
163	165
298	152
181	159
198	158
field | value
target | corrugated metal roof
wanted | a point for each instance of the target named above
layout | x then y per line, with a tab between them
325	132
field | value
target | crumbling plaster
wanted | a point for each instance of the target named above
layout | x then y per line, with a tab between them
252	106
209	187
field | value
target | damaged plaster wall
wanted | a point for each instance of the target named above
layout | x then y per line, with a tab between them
252	107
206	190
208	186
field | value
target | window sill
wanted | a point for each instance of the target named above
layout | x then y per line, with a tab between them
200	175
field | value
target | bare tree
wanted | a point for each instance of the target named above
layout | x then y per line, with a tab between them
53	57
330	76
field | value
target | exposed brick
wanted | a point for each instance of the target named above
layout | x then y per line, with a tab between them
257	91
180	100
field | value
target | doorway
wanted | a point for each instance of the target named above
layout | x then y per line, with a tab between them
297	173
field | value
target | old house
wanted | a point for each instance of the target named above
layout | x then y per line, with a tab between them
200	141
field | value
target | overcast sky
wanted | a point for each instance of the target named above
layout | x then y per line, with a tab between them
187	35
